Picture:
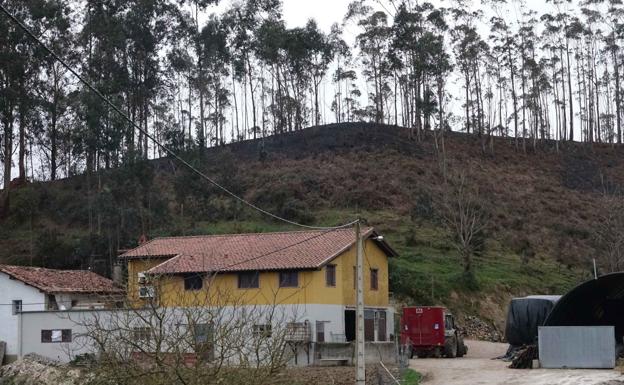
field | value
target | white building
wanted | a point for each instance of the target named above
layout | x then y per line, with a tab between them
36	289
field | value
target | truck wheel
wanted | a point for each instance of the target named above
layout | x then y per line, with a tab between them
462	349
450	347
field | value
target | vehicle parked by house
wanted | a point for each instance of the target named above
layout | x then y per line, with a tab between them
430	331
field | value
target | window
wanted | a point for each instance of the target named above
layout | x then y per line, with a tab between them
263	330
374	277
320	331
52	305
56	335
288	279
448	322
330	275
141	333
249	280
204	340
17	306
203	333
193	282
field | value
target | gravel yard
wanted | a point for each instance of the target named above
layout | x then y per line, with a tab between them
478	368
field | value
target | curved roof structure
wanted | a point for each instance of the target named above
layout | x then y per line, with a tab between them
597	302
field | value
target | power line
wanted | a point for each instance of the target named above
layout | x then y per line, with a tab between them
225	269
153	139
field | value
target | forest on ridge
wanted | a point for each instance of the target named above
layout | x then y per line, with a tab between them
194	78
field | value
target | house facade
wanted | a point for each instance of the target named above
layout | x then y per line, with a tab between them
308	274
25	290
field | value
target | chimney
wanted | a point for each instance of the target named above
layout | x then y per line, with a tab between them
118	274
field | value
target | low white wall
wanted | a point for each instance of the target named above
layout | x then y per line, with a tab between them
33	322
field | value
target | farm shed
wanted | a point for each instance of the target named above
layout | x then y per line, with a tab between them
597	302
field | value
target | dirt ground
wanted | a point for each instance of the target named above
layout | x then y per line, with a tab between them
340	375
478	368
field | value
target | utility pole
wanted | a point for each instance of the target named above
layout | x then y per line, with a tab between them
595	271
360	374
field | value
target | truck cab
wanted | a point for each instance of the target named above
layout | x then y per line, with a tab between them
430	331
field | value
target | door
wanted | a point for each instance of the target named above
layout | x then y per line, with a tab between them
350	325
320	331
369	325
381	325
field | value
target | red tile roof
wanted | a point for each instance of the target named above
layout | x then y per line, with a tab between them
259	251
62	281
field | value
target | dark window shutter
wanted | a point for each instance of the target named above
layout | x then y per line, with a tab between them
374	276
46	336
330	275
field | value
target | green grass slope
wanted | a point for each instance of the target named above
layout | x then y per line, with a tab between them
543	205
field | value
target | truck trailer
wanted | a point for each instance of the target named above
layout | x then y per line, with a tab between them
430	331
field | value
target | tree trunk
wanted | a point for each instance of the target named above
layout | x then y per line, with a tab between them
8	147
571	137
22	143
618	117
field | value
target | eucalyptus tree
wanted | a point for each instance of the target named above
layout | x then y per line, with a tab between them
245	19
53	90
592	35
270	49
612	38
320	52
344	75
215	56
21	66
103	43
374	49
418	54
505	48
469	49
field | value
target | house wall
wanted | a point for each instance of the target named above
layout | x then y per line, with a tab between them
32	299
222	289
332	317
374	258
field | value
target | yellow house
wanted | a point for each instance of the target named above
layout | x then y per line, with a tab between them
312	271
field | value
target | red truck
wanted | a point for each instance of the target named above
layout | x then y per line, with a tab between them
430	331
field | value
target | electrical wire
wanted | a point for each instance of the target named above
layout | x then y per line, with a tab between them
155	140
226	268
222	269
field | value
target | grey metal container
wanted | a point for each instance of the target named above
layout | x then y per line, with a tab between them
580	347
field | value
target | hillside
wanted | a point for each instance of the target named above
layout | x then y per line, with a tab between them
544	207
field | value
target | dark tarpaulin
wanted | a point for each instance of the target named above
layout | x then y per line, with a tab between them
597	302
525	315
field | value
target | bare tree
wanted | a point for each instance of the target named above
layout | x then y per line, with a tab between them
463	214
608	235
213	337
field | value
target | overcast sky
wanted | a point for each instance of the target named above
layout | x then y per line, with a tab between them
327	12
